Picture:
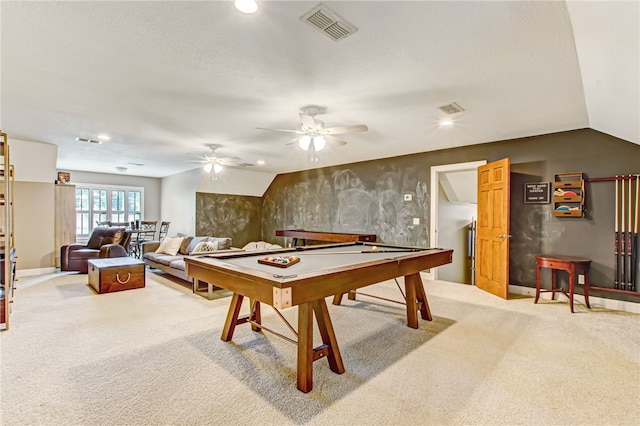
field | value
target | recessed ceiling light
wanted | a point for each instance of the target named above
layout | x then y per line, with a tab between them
246	6
260	162
104	137
446	122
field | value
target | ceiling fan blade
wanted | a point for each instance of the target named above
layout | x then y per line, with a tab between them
341	130
307	122
294	140
281	130
334	140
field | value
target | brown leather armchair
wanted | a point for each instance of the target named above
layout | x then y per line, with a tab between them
104	242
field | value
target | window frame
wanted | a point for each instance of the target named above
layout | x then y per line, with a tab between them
129	214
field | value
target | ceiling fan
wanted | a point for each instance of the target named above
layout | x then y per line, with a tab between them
215	164
312	133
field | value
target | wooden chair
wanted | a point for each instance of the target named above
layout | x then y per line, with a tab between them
103	223
164	230
146	232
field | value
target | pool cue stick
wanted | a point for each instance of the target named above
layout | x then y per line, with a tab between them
635	257
629	256
625	248
616	268
630	237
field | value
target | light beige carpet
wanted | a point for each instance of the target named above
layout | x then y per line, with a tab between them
153	356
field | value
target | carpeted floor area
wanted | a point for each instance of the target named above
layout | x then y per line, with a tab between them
153	356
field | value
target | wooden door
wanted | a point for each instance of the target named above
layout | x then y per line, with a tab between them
492	261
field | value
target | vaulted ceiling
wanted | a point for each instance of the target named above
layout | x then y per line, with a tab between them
166	78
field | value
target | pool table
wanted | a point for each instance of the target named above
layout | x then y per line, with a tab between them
321	271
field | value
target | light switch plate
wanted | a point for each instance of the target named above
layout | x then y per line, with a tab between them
408	197
416	221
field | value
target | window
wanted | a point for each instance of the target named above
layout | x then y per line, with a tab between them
99	203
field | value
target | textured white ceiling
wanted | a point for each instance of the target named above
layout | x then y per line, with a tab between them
166	78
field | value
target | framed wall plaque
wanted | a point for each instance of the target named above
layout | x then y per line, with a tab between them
537	192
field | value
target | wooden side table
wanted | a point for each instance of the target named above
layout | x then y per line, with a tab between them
573	265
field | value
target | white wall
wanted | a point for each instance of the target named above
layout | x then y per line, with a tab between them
178	193
35	172
606	38
33	161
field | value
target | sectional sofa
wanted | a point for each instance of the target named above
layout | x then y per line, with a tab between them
173	264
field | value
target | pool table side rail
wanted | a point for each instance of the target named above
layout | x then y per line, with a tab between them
308	286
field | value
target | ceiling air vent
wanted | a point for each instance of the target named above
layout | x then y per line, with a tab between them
88	140
328	23
452	108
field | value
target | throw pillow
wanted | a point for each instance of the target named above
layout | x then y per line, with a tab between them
194	242
260	245
185	245
223	243
170	245
205	246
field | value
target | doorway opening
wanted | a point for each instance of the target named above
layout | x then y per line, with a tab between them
453	209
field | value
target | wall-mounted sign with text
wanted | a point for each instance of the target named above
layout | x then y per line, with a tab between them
537	192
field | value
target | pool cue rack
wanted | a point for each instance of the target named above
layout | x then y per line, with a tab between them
626	278
568	195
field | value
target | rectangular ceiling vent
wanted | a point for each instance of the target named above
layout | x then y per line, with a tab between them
328	23
88	140
452	108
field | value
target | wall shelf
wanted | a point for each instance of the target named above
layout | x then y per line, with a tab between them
568	195
7	247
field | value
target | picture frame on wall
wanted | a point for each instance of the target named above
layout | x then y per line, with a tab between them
63	178
537	192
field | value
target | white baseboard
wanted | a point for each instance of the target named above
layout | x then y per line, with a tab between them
601	302
32	272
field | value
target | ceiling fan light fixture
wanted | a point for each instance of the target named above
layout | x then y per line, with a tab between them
319	143
208	167
246	6
217	168
304	142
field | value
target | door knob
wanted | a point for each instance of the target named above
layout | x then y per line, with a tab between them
504	236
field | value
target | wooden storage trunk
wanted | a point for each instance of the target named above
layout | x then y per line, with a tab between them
115	274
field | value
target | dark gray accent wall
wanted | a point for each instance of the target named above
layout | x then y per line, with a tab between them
358	198
235	216
369	197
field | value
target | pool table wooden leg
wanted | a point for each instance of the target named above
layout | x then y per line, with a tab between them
232	317
425	312
416	300
337	298
255	315
328	336
307	354
305	347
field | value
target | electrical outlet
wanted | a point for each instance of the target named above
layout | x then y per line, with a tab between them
416	221
580	279
408	197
